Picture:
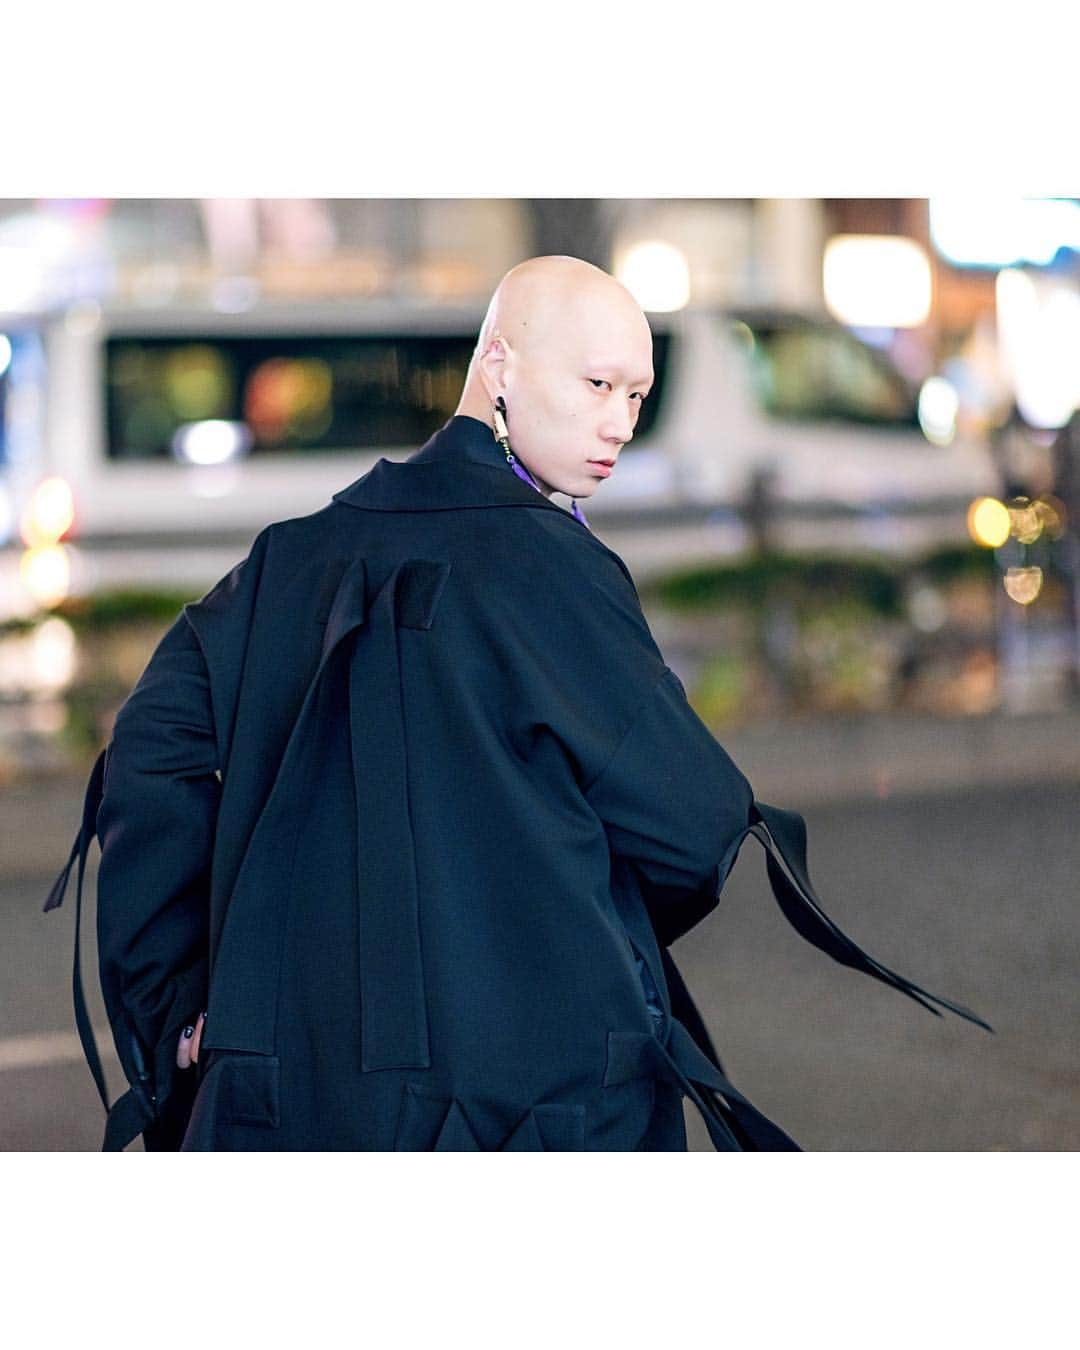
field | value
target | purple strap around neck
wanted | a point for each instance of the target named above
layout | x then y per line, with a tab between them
523	473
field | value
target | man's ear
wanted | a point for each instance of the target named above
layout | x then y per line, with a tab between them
492	366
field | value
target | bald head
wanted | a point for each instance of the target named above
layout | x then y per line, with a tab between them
569	350
537	301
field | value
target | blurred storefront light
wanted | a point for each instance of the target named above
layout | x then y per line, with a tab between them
656	274
40	662
53	656
49	513
1053	513
1031	519
1038	319
51	255
996	232
1026	520
939	406
989	522
1023	584
46	574
876	281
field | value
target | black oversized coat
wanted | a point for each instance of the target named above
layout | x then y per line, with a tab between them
411	803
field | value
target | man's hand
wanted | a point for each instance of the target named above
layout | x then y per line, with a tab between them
187	1048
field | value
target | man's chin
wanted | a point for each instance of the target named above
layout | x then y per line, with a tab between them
582	487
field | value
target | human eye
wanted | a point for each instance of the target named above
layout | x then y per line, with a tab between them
592	380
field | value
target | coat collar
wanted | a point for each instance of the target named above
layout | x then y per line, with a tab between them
461	465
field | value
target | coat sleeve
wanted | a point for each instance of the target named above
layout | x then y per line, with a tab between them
672	802
156	825
675	806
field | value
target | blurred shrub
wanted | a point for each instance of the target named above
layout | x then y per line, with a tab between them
758	581
114	609
783	634
116	633
757	638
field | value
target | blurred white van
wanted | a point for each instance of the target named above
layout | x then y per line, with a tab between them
181	433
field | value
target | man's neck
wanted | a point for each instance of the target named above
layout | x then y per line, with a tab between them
476	405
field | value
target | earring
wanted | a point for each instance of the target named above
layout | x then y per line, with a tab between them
502	435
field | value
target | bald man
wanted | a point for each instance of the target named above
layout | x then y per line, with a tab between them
568	350
403	816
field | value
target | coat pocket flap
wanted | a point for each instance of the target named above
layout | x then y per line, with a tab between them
236	1089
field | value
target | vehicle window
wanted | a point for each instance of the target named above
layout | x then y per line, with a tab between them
295	394
809	373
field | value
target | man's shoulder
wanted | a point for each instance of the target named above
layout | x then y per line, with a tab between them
533	544
580	547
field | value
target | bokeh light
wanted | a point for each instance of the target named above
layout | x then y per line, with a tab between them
46	574
989	522
49	514
939	405
877	281
211	442
289	398
1023	584
656	274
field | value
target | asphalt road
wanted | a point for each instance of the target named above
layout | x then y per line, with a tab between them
971	893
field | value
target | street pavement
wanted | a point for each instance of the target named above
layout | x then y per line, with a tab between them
948	850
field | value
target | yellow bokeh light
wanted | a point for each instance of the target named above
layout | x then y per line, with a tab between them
1023	584
989	522
1053	513
1026	521
49	514
46	574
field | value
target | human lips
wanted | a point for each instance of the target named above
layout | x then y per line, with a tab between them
604	465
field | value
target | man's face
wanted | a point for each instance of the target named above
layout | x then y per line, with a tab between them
574	395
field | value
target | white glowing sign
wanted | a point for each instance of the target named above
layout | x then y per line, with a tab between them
998	231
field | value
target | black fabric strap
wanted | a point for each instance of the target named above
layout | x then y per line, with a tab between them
131	1113
783	836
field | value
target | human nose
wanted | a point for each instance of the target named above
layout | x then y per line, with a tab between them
620	426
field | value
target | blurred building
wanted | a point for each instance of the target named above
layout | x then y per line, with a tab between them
233	251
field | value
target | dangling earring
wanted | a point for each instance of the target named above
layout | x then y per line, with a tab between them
502	435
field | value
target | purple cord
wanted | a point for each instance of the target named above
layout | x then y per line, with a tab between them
526	477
